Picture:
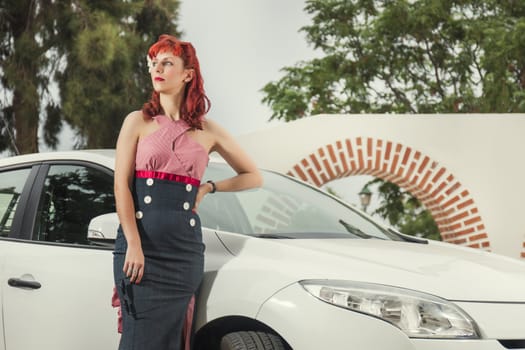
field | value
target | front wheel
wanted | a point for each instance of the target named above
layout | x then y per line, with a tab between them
251	341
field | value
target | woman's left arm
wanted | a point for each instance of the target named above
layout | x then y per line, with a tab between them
248	176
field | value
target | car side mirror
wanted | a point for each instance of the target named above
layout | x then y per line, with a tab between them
103	228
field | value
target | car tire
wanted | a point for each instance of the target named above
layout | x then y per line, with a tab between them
251	341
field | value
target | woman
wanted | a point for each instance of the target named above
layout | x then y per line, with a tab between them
161	154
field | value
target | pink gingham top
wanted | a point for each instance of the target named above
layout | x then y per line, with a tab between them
170	150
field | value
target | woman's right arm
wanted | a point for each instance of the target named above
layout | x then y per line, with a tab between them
124	175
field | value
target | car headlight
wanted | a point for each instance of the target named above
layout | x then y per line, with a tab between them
419	315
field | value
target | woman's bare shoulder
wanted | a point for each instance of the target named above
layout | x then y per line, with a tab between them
211	126
135	117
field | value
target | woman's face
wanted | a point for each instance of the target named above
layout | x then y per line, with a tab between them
168	74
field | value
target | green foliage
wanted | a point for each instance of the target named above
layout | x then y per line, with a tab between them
404	211
404	56
93	50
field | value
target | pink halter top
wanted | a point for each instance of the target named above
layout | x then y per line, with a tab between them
170	150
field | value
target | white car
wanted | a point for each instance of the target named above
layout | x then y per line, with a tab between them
287	267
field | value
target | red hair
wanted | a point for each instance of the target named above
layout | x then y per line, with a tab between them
195	103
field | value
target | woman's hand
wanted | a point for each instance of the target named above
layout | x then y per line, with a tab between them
204	189
134	263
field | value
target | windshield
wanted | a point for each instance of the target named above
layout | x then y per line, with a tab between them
283	208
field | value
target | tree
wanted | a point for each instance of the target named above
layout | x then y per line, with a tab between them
107	75
406	56
92	51
404	211
26	35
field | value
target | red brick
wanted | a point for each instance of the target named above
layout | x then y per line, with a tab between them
314	160
485	244
369	147
314	177
393	167
465	231
450	202
438	174
473	220
388	150
331	152
455	226
425	178
300	172
459	241
360	158
477	237
465	204
328	169
423	164
344	162
350	153
400	174
438	189
453	188
378	159
406	156
411	169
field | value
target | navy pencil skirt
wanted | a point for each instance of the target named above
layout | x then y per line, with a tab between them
154	311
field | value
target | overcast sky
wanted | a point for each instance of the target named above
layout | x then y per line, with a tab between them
242	45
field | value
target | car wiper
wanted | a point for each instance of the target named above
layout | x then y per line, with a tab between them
354	230
407	238
270	235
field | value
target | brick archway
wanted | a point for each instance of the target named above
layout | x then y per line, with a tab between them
449	202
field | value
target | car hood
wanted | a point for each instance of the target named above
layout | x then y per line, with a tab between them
446	270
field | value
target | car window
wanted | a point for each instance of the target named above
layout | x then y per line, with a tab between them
71	197
284	207
223	211
11	185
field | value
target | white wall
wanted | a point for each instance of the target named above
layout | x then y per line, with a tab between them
483	151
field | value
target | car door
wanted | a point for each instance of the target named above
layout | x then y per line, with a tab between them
56	284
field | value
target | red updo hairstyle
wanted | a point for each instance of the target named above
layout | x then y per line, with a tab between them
195	103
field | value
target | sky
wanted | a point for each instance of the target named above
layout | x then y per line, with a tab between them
242	45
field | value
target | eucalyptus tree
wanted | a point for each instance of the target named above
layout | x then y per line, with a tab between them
406	56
